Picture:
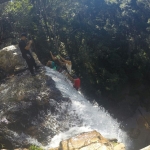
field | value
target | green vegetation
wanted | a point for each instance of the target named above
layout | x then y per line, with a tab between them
33	147
107	40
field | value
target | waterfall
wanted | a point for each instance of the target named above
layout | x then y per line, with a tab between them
51	111
94	117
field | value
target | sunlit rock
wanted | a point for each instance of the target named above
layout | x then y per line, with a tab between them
146	148
96	146
11	59
120	146
54	148
86	141
90	141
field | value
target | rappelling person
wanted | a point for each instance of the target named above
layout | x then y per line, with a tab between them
56	59
63	63
51	64
75	80
25	50
67	63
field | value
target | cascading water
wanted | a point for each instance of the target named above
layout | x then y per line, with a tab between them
94	117
46	109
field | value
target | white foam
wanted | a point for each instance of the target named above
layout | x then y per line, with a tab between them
94	117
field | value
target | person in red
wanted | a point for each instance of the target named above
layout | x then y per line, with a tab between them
76	83
75	80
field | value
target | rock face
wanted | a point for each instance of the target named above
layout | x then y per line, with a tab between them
31	107
11	59
33	110
89	141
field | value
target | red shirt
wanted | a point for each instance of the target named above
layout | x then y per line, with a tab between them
76	83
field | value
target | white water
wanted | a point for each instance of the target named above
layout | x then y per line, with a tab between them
94	117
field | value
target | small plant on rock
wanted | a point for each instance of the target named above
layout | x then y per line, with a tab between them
33	147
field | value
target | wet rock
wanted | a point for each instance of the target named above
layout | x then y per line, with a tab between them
144	121
134	133
17	149
4	143
33	108
2	74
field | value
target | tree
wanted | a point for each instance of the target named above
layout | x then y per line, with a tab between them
107	40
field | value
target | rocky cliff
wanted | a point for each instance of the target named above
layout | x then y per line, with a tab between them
33	110
28	103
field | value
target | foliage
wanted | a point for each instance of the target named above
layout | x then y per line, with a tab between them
33	147
107	40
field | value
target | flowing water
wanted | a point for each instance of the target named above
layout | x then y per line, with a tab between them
94	117
65	113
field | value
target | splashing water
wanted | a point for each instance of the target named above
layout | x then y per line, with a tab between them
94	117
69	119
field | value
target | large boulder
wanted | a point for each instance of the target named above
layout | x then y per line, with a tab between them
11	59
89	141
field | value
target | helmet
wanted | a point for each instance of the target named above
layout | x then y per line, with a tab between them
23	34
55	54
74	76
67	58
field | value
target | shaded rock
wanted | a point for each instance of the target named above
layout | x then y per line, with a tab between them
113	140
21	149
144	121
2	74
134	133
32	107
4	143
